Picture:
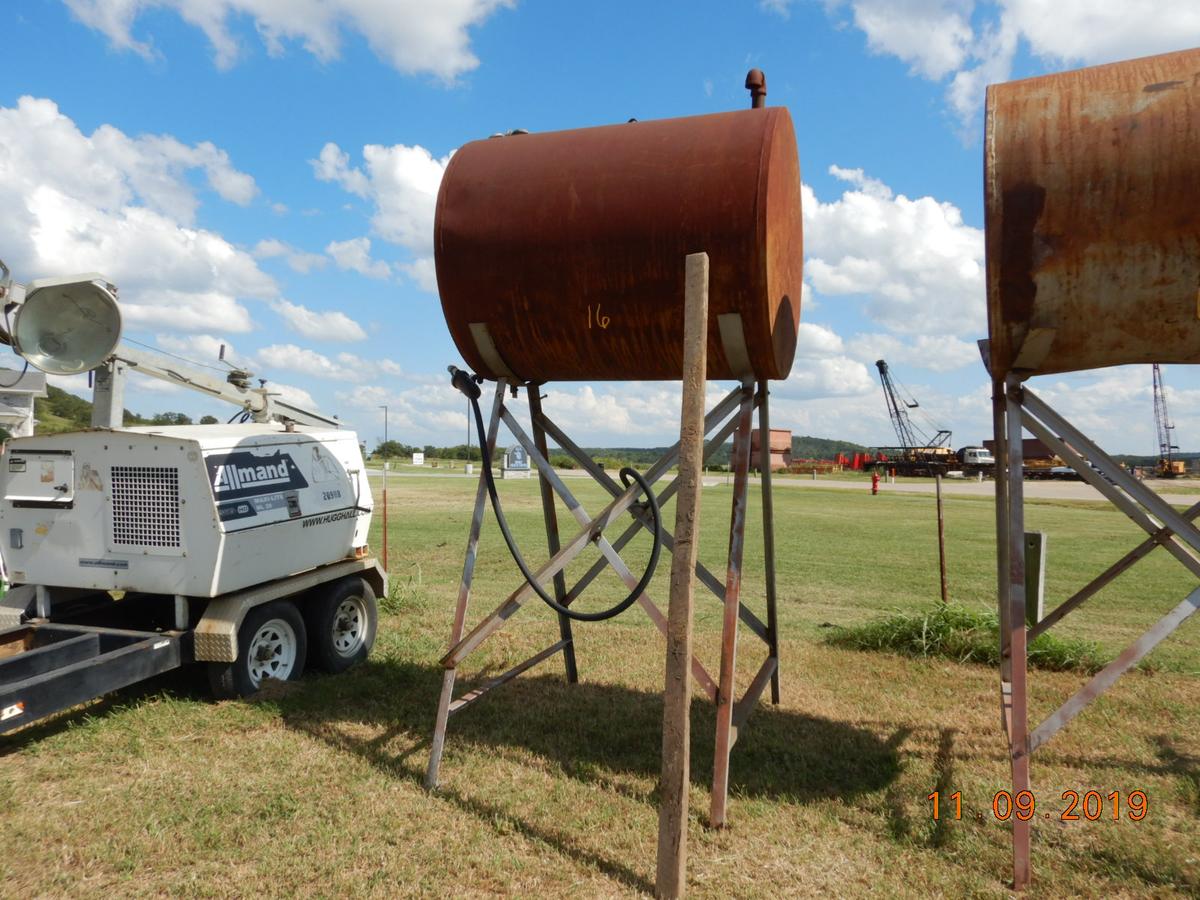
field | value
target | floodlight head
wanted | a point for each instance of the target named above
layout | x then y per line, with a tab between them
67	325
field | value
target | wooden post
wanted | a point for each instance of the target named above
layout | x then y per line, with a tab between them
942	541
677	693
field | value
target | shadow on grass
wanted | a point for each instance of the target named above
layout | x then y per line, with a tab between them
932	832
184	684
1184	767
590	732
593	730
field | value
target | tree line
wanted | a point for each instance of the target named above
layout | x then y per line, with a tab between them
395	449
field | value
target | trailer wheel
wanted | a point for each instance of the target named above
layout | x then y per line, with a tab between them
341	624
272	643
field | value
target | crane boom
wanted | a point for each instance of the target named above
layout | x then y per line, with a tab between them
1162	424
910	436
897	410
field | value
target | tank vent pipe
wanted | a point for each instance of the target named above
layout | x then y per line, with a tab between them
756	84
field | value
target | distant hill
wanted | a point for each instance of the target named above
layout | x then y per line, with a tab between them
824	448
63	411
804	447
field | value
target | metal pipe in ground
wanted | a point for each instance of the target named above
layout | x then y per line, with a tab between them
942	541
386	464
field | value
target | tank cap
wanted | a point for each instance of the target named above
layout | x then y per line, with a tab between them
756	84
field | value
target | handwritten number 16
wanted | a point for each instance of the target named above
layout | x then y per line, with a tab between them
598	318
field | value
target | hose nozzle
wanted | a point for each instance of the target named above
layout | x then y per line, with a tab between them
462	381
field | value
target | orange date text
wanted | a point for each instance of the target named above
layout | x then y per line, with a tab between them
1072	806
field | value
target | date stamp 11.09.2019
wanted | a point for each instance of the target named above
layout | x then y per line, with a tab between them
1072	806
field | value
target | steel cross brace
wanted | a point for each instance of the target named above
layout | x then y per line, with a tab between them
1174	531
1019	408
707	578
737	408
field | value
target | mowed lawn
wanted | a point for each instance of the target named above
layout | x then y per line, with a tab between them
549	789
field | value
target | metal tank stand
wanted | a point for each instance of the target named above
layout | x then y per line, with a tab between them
732	415
1015	407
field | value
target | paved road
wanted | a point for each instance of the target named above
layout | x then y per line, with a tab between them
1036	490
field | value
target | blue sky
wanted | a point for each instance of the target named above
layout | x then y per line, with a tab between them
261	174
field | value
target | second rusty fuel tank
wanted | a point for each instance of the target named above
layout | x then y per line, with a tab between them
1092	189
560	256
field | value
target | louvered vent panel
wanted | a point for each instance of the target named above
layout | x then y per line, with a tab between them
145	506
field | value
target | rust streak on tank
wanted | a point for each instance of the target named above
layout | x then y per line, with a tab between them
1093	231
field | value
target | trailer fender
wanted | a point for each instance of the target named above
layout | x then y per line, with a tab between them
17	605
217	632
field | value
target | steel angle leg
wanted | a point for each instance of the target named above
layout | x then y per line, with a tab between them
550	514
1019	722
999	431
768	514
740	463
464	596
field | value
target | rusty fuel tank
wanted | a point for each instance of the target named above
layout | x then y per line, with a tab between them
560	256
1092	184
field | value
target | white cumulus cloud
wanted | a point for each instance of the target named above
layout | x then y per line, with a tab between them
919	265
402	184
933	352
124	207
292	358
325	326
355	255
817	342
970	43
298	260
413	36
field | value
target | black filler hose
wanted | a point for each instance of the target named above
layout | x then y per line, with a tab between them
468	385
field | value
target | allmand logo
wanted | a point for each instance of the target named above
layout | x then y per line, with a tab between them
244	474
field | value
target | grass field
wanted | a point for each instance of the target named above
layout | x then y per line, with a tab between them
549	789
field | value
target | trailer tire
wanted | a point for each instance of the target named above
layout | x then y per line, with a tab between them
272	639
341	624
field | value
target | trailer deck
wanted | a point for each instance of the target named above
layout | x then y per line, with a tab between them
48	667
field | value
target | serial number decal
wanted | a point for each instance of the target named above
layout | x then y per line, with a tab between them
331	495
1073	805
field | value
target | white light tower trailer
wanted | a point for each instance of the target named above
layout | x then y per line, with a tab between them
133	551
